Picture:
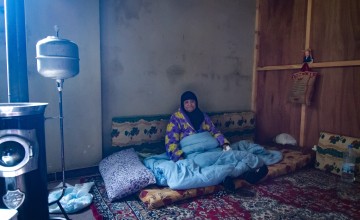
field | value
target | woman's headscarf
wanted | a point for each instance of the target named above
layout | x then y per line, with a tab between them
196	117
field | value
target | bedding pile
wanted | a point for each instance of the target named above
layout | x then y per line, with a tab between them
139	137
206	164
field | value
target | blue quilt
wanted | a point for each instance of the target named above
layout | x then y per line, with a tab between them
205	163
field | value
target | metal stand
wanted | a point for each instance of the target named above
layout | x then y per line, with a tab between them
59	83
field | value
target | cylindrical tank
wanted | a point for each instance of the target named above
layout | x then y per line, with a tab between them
23	168
57	58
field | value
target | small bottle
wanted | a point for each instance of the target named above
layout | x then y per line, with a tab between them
348	167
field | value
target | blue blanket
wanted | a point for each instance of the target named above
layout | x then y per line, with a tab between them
205	163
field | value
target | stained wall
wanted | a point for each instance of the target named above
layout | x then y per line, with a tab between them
136	58
152	51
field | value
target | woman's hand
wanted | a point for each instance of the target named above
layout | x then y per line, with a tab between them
226	147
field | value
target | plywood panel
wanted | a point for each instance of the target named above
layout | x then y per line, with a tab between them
336	105
335	30
282	32
334	36
274	114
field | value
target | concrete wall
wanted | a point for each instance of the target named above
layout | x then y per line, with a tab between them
152	51
81	94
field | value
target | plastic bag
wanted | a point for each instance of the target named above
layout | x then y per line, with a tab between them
75	197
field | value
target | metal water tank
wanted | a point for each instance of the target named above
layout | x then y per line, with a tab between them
57	58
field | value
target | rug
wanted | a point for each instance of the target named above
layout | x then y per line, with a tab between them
306	194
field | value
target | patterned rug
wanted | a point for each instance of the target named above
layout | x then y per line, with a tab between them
307	194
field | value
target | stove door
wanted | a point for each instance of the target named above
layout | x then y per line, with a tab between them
16	153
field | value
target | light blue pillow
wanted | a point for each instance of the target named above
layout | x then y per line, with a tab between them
124	174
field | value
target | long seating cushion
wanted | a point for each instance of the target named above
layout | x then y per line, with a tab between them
147	133
330	149
155	197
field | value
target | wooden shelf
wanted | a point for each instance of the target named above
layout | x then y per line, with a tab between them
312	65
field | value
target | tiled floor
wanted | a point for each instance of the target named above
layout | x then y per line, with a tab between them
85	214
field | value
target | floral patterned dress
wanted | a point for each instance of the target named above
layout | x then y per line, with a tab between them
180	126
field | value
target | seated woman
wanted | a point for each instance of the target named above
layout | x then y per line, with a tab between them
189	120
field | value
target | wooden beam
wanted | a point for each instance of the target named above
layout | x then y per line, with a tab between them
256	58
307	45
312	65
308	24
281	67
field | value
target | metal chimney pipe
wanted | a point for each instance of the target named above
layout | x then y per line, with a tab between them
17	79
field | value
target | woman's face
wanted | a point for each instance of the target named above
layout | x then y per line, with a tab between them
189	105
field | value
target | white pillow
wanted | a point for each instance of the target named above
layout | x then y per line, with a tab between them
285	139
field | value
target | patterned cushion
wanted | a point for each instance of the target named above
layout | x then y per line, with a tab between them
292	161
156	197
329	152
132	131
124	174
139	131
235	126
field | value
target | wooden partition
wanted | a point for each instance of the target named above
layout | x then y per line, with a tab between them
331	28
